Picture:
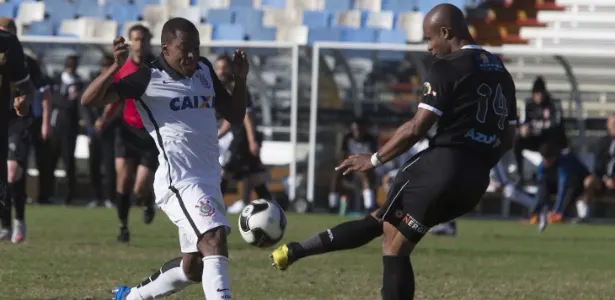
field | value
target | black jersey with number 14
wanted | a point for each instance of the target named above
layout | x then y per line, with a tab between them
474	95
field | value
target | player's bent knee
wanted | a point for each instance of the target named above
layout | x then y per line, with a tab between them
192	265
213	242
14	171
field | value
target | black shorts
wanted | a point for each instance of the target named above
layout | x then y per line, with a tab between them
435	186
19	141
136	144
241	166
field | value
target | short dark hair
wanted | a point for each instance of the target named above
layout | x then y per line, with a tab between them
139	27
549	149
172	26
225	57
106	60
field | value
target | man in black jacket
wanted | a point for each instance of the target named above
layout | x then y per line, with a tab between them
602	178
543	121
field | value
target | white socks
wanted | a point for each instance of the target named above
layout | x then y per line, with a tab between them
368	199
582	209
165	283
334	199
216	283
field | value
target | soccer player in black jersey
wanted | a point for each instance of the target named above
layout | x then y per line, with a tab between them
14	81
19	137
472	97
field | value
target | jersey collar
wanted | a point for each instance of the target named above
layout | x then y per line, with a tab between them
161	63
472	46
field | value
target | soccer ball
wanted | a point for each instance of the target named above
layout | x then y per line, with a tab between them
262	223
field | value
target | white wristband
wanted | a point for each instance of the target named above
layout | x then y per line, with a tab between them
376	160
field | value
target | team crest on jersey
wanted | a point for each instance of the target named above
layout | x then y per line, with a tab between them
427	90
484	58
203	80
2	58
205	208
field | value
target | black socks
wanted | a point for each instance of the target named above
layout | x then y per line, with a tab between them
123	208
348	235
398	278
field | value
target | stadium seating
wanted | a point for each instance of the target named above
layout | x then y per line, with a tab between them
259	18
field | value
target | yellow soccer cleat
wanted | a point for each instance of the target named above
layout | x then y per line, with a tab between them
280	258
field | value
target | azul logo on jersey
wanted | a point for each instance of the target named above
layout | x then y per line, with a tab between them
191	102
482	138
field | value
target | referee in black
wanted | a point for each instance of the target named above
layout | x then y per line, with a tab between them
15	86
472	97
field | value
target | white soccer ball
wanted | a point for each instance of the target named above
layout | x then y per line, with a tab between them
262	223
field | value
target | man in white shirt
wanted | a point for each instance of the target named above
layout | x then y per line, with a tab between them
178	96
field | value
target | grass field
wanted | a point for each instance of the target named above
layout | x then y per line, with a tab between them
71	253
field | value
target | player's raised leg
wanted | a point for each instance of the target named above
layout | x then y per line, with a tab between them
344	236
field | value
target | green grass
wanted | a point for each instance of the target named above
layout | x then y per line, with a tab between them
71	253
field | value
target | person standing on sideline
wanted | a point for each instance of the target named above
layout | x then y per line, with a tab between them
65	123
101	146
242	161
135	151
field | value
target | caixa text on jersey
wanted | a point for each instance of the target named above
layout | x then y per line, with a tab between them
192	102
483	138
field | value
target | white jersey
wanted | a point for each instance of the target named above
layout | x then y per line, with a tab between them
179	113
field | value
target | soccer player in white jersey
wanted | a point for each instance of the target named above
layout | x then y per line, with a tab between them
178	96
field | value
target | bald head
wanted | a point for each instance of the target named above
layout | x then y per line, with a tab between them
446	29
7	24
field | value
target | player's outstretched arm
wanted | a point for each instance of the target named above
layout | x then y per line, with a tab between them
101	91
408	134
404	138
233	108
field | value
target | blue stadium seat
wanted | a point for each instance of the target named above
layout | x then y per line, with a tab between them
251	19
399	5
366	35
40	28
324	34
337	5
241	3
317	19
263	34
122	12
140	4
8	10
228	32
274	3
220	16
391	37
59	10
90	8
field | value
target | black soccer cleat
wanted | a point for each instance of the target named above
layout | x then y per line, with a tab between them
124	236
148	214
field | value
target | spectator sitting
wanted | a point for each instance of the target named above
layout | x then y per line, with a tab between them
543	122
561	173
356	142
603	177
